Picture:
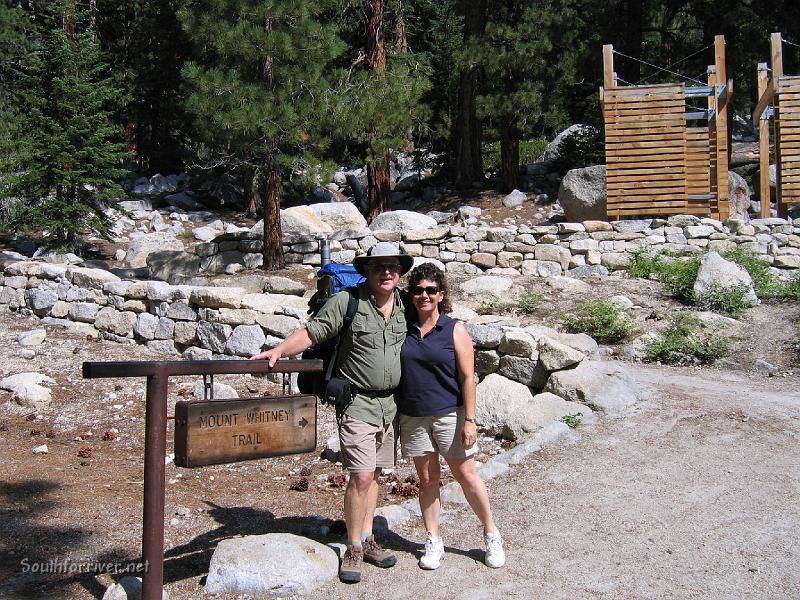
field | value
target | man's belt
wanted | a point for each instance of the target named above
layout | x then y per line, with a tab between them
372	393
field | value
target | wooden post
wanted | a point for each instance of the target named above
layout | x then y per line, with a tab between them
721	129
777	74
763	144
609	77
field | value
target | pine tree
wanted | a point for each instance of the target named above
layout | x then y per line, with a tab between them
528	54
260	91
66	163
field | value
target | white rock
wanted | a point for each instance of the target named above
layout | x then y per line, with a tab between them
43	449
603	386
275	565
402	220
32	338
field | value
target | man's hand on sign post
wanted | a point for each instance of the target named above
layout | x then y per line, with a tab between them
270	355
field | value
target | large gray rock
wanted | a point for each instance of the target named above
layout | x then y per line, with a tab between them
283	285
497	399
603	386
246	340
28	390
275	565
217	297
514	199
556	356
35	337
41	301
542	410
213	335
738	196
491	285
143	245
524	370
339	216
402	220
583	194
92	279
717	273
114	321
128	588
220	391
172	266
553	151
518	342
485	336
300	220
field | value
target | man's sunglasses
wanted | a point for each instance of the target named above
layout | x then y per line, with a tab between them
430	290
381	267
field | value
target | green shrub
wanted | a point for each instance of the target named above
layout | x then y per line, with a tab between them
728	300
604	321
766	284
645	264
572	421
678	277
529	302
687	341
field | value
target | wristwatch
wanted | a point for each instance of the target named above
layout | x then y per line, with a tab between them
470	419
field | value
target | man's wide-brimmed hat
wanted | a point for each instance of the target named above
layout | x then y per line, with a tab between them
383	250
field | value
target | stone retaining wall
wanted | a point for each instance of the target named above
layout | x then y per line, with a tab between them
228	322
543	250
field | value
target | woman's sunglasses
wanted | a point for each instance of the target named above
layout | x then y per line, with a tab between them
430	290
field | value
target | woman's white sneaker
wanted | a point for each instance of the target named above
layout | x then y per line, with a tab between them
434	553
495	555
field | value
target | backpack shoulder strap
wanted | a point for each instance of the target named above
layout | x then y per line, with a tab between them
349	315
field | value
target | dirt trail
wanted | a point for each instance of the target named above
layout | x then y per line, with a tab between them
692	495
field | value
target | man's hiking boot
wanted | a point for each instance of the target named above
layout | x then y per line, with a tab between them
376	555
352	563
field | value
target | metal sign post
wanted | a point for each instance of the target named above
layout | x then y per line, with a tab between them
158	374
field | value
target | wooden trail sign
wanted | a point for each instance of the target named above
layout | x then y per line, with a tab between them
210	432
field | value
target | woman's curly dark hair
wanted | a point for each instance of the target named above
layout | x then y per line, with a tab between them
431	272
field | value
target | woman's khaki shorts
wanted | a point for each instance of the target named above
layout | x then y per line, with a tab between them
438	433
366	447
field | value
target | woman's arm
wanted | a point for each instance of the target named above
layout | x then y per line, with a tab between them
465	362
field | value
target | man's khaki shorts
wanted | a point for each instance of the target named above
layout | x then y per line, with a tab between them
366	447
438	433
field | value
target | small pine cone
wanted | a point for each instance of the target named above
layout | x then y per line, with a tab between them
51	433
183	392
508	444
305	471
109	436
411	479
392	478
35	432
85	452
338	480
409	490
301	485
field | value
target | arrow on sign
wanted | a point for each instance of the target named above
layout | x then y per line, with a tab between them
302	422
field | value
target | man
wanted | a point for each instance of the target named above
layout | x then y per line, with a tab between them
369	357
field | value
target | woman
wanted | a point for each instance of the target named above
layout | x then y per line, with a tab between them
437	411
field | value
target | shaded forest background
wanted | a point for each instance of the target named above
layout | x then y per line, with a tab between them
278	93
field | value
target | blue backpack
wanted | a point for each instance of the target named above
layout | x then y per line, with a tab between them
331	279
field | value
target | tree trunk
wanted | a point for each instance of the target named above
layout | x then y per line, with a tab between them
509	156
466	136
252	195
273	238
401	47
378	189
378	167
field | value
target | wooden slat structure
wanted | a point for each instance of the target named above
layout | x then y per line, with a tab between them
779	99
656	162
